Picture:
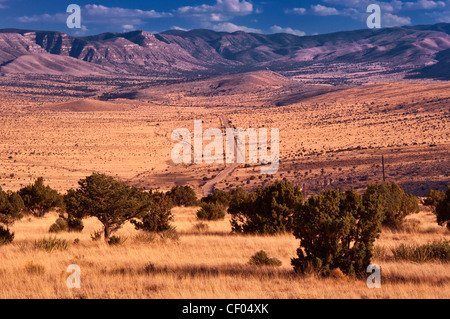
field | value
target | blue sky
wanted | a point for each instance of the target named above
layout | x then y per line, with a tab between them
307	17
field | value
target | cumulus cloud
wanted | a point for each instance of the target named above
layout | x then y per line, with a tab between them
323	10
223	10
318	9
298	11
392	20
93	13
278	29
230	27
356	9
424	5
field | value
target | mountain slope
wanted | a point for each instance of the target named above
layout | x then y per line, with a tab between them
190	53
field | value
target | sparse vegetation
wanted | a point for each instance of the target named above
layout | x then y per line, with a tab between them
50	244
435	251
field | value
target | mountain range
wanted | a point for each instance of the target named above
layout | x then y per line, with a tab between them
407	52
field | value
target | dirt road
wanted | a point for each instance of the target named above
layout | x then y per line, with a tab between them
209	187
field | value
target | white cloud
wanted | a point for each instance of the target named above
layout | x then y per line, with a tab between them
298	11
392	20
323	10
95	10
424	5
223	10
128	27
178	28
278	29
99	14
230	27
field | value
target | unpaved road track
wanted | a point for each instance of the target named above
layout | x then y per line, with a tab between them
209	187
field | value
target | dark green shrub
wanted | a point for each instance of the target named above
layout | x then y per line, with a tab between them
6	237
40	199
11	207
220	197
183	196
433	198
266	211
159	216
443	210
54	228
396	205
66	224
262	259
211	211
336	230
75	224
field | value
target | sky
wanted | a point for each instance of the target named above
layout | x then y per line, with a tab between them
308	17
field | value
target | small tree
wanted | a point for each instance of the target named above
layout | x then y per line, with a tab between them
211	211
443	210
266	211
433	198
183	196
395	203
336	230
40	199
11	207
221	197
159	216
110	201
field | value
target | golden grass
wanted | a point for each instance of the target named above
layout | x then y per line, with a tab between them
211	264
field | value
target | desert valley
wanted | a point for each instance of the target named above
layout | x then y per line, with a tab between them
109	104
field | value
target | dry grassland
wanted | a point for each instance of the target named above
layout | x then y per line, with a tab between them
211	264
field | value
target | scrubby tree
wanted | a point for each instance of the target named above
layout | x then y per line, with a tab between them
218	196
395	203
433	198
268	210
443	210
336	230
11	207
183	196
112	202
40	199
159	215
211	211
